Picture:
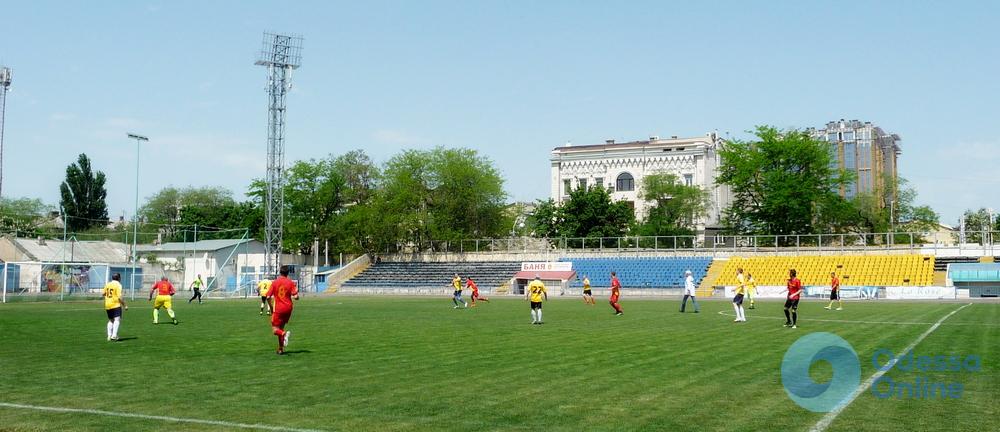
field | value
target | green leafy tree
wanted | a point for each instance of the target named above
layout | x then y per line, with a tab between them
780	182
23	216
164	208
223	221
588	212
440	194
976	222
675	208
360	174
83	196
314	193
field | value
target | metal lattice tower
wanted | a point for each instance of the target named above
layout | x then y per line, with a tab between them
5	76
281	54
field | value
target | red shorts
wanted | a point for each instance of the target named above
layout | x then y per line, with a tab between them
475	295
279	319
614	299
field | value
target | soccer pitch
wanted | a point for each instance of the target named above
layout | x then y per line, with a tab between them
416	364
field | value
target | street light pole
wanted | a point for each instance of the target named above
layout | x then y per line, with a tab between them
135	217
892	220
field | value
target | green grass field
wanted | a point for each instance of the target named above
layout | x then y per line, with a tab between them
416	364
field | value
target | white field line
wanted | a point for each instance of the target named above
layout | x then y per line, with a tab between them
827	419
159	418
724	313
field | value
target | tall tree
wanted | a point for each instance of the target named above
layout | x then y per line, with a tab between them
360	176
780	181
165	207
440	194
675	208
588	212
314	194
976	223
83	196
22	216
224	220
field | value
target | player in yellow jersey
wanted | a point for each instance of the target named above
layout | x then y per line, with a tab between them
263	287
456	282
751	289
113	305
536	293
588	295
741	291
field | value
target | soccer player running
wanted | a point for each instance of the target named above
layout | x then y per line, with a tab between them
536	293
835	292
113	304
283	290
616	292
196	286
588	295
794	291
469	283
689	292
751	289
741	290
262	289
164	291
456	297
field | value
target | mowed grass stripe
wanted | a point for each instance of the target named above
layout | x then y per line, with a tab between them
415	364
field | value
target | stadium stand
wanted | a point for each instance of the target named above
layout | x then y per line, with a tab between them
941	263
639	272
428	274
981	279
854	270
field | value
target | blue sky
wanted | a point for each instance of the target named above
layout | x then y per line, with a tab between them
512	79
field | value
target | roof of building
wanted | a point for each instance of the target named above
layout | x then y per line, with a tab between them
655	141
72	251
200	245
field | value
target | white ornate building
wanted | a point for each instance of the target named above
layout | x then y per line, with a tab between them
620	167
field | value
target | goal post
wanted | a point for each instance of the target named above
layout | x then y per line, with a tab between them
34	281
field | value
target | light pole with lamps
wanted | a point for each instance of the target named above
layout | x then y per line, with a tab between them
135	218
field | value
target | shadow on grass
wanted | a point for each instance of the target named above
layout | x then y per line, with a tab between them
127	338
298	352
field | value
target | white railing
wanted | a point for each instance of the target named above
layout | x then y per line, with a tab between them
833	242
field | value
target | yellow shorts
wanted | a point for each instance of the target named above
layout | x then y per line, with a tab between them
163	301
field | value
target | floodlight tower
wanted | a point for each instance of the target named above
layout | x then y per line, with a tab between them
5	76
281	54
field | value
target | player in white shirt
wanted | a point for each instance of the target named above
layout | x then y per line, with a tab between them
689	292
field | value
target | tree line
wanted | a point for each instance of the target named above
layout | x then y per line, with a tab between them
783	182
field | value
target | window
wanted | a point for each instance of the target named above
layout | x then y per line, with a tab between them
832	137
567	186
850	156
582	184
599	181
849	136
246	269
688	179
625	183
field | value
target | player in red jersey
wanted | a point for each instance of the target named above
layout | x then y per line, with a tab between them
616	292
164	291
283	291
470	284
792	302
835	292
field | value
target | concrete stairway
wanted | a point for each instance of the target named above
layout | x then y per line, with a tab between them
708	282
